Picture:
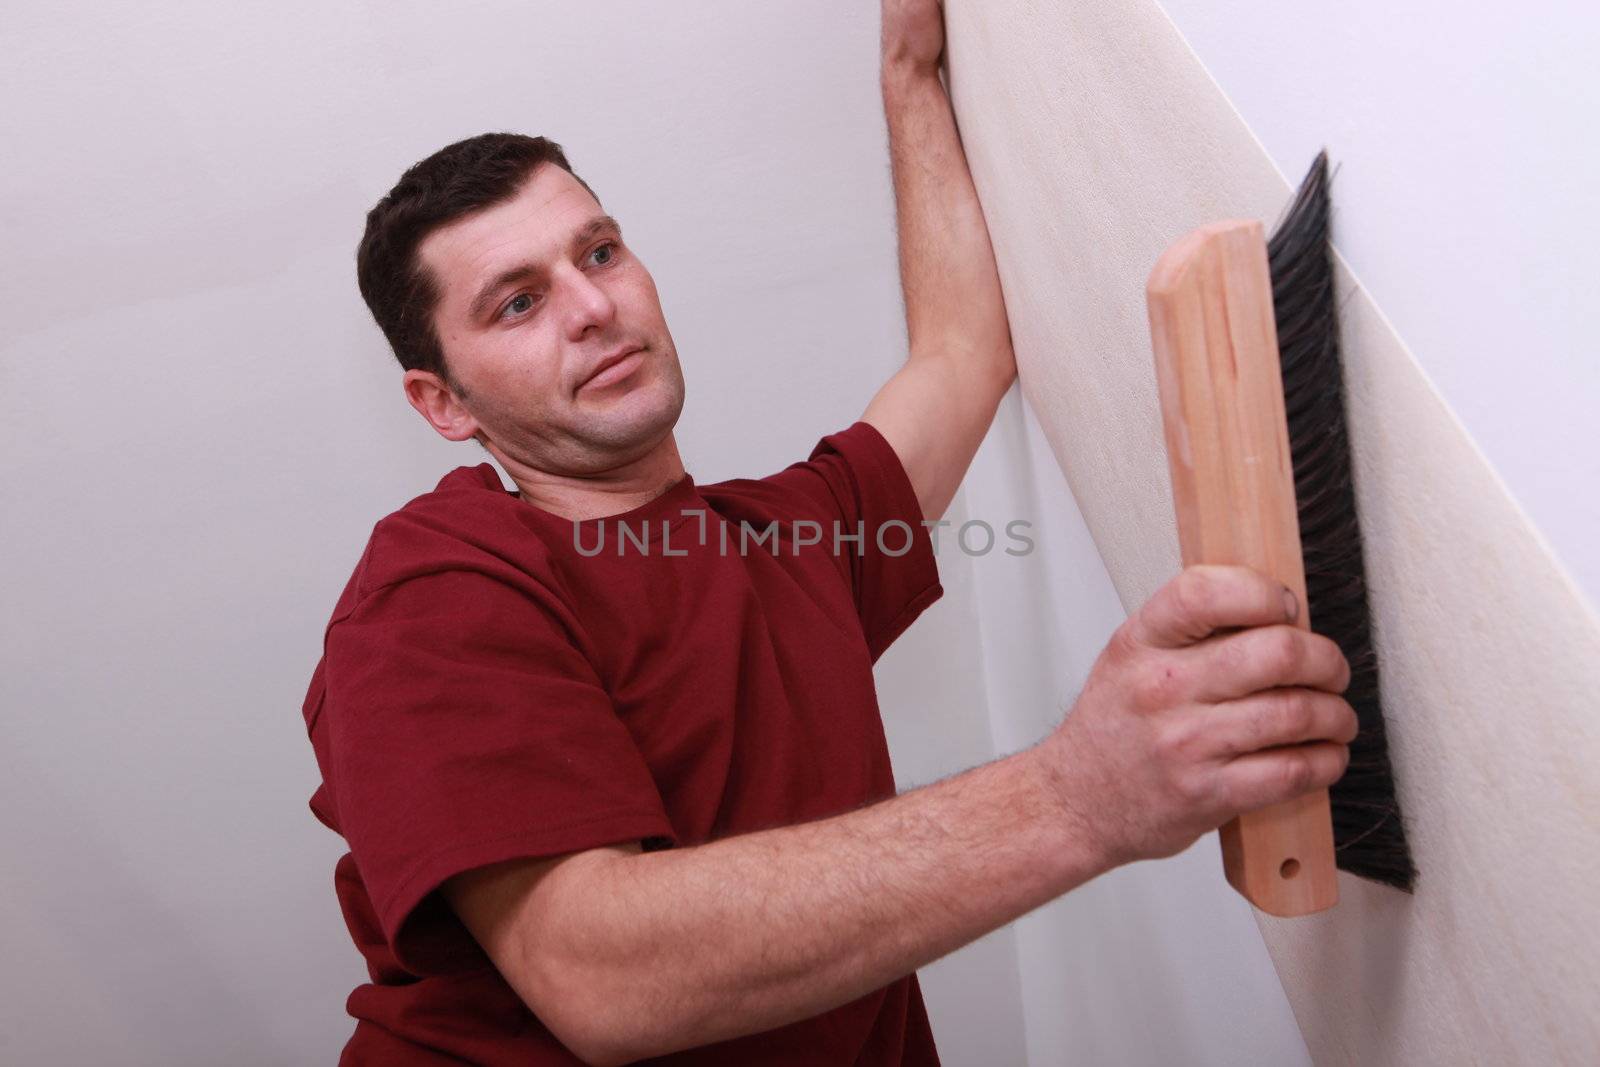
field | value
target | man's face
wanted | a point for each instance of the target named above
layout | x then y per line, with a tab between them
535	293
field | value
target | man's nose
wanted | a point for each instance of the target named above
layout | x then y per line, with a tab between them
587	303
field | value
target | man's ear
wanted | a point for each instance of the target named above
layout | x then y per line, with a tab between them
438	403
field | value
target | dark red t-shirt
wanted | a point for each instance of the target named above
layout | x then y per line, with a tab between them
500	682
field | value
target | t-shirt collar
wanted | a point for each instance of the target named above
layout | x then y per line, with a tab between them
680	502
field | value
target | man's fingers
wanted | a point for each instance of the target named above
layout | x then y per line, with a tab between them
1275	775
1288	716
1205	598
1266	657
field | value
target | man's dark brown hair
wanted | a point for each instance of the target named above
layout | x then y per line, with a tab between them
455	181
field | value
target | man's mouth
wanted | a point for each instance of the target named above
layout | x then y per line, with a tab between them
614	368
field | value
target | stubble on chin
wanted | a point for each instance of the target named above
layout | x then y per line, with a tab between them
635	423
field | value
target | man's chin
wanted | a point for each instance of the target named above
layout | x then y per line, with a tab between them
638	418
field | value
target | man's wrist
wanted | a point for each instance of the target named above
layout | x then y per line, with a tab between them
897	72
1080	843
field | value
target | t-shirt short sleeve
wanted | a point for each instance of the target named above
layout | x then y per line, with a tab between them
854	478
466	727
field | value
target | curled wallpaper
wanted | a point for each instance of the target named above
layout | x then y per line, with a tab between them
1095	138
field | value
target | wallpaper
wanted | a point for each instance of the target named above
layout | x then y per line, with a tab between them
1095	138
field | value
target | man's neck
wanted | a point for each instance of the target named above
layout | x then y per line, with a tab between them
596	496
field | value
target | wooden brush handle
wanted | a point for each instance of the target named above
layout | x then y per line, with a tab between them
1216	349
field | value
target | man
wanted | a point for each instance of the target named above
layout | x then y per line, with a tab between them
613	778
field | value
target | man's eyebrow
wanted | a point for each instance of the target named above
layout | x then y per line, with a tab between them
528	268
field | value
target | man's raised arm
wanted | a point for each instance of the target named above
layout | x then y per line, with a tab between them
937	408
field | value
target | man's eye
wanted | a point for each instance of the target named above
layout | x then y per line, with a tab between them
519	303
612	255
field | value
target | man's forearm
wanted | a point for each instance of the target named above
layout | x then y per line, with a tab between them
684	947
947	266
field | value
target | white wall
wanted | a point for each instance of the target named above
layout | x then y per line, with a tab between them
1465	202
202	425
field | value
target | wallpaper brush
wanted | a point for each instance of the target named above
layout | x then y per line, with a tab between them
1368	832
1246	339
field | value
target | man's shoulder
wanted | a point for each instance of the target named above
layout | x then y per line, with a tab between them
463	501
802	488
468	521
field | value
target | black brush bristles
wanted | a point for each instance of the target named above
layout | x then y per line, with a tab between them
1368	832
